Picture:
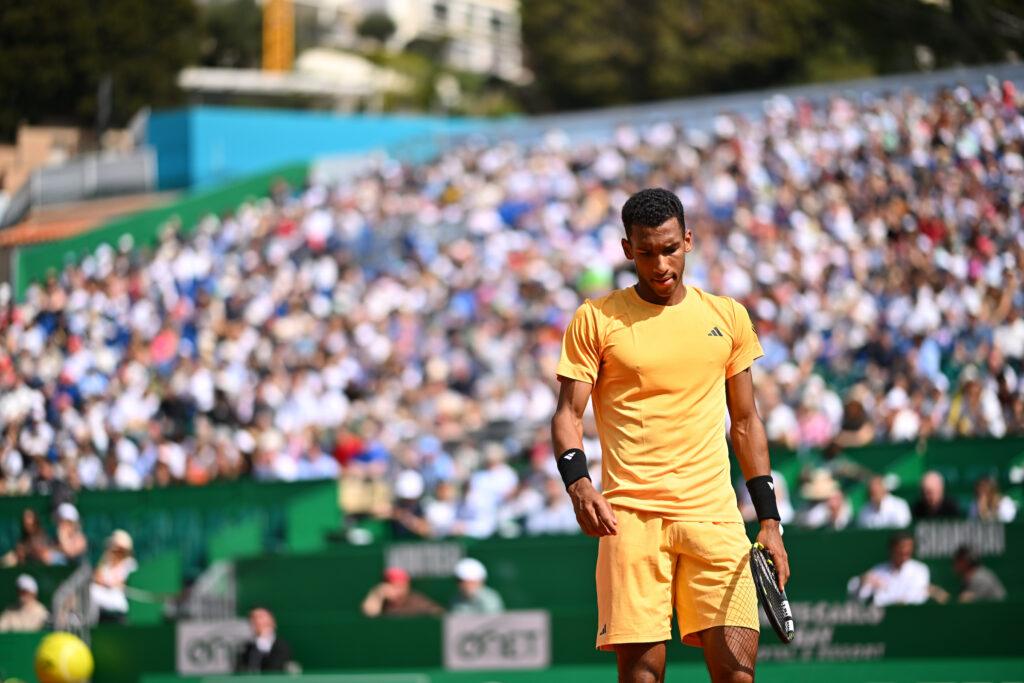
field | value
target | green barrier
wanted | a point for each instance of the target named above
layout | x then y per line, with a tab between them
557	572
822	562
123	653
241	539
159	575
314	582
34	261
913	671
522	570
325	642
310	518
48	579
183	517
825	631
961	461
17	654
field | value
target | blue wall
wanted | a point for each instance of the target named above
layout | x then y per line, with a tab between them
201	146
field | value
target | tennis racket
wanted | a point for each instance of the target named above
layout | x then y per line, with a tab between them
773	601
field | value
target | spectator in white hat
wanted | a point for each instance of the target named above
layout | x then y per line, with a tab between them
474	597
71	542
28	614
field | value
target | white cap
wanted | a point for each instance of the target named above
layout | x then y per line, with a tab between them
469	569
67	511
409	485
28	584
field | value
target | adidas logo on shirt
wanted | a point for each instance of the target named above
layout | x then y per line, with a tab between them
715	332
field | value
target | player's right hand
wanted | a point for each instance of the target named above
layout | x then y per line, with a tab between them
593	513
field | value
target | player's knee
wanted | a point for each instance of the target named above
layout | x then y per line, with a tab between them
727	675
643	673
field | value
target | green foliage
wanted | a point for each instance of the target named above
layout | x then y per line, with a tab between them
49	50
144	45
377	25
54	53
231	34
586	53
420	71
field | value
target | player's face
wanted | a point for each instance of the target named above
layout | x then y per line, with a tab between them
660	257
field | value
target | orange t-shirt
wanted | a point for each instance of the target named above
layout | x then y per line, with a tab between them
659	374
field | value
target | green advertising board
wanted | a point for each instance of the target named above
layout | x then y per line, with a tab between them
905	671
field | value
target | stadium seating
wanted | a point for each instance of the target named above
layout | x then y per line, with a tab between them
487	263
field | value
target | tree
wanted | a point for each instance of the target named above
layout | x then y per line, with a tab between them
49	50
586	53
143	46
56	52
231	34
377	25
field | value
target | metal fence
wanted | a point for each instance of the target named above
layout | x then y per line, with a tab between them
71	605
86	177
214	594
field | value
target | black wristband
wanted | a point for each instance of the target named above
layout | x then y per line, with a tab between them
762	495
572	465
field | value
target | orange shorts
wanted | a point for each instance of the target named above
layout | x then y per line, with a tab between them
652	565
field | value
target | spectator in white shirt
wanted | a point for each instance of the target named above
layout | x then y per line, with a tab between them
883	510
900	581
441	513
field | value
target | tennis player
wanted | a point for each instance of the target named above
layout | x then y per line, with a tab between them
662	362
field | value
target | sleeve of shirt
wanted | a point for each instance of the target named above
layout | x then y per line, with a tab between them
745	346
902	517
917	591
581	346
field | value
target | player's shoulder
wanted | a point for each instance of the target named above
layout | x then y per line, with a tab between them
724	306
610	305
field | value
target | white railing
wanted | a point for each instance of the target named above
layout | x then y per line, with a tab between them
85	177
214	594
71	606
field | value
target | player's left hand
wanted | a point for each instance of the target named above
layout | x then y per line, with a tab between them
771	538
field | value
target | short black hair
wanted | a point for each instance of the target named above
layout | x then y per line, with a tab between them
650	208
968	554
899	537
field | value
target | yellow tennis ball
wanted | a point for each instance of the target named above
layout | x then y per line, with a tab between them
63	658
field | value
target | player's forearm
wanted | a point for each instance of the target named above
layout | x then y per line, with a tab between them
566	431
751	446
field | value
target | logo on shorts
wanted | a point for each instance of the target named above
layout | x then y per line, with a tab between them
715	332
604	630
771	485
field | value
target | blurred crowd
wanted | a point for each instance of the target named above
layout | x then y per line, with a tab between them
400	329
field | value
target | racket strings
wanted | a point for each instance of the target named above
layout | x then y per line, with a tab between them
768	583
